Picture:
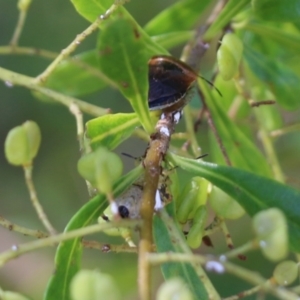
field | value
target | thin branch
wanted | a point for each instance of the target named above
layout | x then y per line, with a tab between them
213	128
223	266
156	151
17	250
105	248
5	50
76	42
285	130
35	201
12	78
244	294
263	102
19	27
192	140
23	230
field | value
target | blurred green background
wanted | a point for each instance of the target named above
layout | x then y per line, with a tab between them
52	25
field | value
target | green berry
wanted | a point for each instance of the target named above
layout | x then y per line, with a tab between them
193	196
101	168
22	144
286	272
271	230
93	285
229	56
225	206
174	289
196	232
8	295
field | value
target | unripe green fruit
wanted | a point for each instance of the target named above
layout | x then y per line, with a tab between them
225	206
93	285
196	232
22	143
8	295
174	289
229	56
271	229
23	4
193	195
286	272
34	137
101	168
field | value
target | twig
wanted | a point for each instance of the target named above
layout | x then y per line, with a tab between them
216	134
79	38
12	78
192	140
16	251
251	245
75	111
105	248
244	293
19	28
52	55
221	267
26	231
156	151
35	201
263	102
87	244
285	130
214	226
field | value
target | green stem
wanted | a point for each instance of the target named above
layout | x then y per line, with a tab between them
190	131
19	28
269	149
26	231
76	42
249	276
285	130
16	251
176	236
13	78
35	201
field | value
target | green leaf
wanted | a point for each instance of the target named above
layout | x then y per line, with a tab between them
78	76
241	150
123	56
183	15
68	254
232	8
164	243
91	10
282	82
253	192
172	39
291	41
277	10
111	130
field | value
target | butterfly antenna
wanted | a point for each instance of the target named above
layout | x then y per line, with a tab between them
211	84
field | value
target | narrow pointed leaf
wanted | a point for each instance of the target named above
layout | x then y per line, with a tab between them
183	15
281	80
232	8
253	192
111	130
240	149
123	56
277	10
185	271
78	76
68	254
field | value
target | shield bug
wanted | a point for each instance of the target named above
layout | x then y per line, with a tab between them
170	83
